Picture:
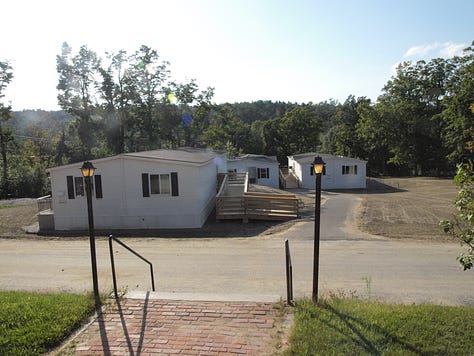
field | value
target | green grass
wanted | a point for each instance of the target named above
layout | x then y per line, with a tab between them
6	206
357	327
31	324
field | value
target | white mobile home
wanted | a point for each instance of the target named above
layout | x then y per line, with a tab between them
143	190
261	169
339	173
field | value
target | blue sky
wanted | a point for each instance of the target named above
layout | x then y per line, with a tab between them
296	50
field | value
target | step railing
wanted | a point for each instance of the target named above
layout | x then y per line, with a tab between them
114	277
289	275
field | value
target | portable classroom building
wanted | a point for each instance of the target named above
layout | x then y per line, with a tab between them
339	173
143	190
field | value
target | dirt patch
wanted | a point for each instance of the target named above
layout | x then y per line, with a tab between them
15	214
406	207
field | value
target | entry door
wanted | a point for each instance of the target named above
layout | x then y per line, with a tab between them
252	174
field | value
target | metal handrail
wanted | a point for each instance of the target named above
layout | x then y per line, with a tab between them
114	277
289	275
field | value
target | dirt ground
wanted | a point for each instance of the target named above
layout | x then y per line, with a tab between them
406	208
394	207
15	214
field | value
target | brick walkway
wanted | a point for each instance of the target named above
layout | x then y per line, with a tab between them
169	327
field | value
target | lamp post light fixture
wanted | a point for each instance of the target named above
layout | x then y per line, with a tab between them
88	170
318	167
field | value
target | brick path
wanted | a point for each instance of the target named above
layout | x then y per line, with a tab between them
169	327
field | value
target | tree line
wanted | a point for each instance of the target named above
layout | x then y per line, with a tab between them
421	124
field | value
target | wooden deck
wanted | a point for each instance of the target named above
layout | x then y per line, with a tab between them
235	202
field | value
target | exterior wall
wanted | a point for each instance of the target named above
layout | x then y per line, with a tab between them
242	166
333	179
123	205
207	190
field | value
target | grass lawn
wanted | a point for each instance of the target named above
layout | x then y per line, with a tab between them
31	324
357	327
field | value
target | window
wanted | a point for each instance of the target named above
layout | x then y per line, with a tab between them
263	173
154	184
79	184
159	183
76	187
163	184
349	169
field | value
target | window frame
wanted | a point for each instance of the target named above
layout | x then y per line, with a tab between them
160	184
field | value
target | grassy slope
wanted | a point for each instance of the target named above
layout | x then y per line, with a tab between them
355	327
31	324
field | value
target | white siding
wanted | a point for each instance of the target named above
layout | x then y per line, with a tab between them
123	205
242	166
333	179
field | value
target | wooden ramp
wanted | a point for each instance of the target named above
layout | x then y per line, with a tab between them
253	206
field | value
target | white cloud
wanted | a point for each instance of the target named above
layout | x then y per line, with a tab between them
450	49
446	50
419	51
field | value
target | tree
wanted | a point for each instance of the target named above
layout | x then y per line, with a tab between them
342	138
458	115
297	131
6	75
462	227
77	88
146	82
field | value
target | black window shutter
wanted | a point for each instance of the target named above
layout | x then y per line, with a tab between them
174	184
355	169
70	187
268	173
98	186
258	173
311	170
145	185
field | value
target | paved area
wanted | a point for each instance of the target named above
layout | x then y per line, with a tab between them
150	326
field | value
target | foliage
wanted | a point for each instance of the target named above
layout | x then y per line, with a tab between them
6	137
32	324
422	124
462	227
356	327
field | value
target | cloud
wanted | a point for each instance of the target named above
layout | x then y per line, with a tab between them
446	50
453	49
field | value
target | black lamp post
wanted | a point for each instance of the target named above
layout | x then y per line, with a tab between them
87	170
318	167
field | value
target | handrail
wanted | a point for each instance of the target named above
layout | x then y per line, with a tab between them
114	278
223	185
289	275
44	203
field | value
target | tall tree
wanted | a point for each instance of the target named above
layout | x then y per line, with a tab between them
77	86
342	137
458	115
297	131
6	75
116	100
147	80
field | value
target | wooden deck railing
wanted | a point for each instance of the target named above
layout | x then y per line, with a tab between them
250	205
44	203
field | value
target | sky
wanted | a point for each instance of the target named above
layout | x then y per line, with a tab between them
247	50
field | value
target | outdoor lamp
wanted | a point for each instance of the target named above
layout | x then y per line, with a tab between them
318	165
87	169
